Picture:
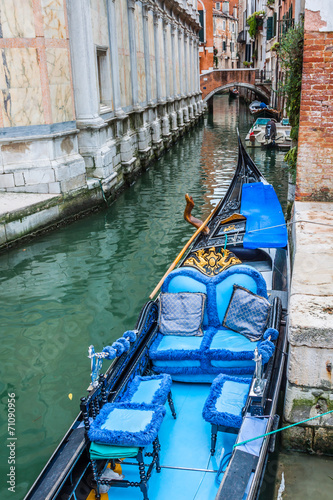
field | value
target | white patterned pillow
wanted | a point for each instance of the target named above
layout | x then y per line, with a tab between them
247	313
181	313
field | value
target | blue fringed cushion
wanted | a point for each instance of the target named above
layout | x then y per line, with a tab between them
181	313
247	313
226	400
152	390
127	424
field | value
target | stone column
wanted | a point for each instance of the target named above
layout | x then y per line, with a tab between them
133	53
186	62
157	17
191	63
83	63
165	48
145	13
173	48
196	64
181	65
112	24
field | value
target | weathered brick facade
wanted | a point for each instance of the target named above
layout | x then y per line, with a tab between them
315	150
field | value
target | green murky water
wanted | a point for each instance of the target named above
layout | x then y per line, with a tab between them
86	283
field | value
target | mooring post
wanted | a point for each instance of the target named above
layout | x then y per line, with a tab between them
210	105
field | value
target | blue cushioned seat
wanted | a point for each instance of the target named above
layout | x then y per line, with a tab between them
124	429
224	405
230	349
126	424
220	349
150	390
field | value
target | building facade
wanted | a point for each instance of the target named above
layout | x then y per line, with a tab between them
225	29
93	89
206	36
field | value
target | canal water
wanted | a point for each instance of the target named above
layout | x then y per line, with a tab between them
86	283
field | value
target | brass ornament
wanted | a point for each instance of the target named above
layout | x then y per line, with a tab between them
229	228
210	262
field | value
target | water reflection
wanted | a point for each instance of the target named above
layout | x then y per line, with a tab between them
86	283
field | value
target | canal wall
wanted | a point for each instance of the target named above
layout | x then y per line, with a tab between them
309	390
92	91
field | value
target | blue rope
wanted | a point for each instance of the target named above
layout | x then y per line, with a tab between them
224	462
282	429
103	194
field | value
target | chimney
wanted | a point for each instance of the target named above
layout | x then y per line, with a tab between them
225	7
234	13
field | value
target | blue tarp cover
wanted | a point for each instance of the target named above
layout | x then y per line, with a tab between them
262	209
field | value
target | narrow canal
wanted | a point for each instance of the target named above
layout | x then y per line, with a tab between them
85	283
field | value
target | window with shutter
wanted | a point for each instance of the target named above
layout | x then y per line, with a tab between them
202	31
274	24
269	28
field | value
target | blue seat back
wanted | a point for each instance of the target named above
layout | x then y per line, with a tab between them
181	280
217	288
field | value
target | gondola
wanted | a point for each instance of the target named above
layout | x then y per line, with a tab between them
233	93
180	410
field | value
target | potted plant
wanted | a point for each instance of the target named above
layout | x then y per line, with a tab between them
255	22
216	61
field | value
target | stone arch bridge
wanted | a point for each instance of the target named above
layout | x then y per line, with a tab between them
222	79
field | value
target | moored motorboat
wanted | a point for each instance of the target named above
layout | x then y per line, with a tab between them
260	109
224	373
259	135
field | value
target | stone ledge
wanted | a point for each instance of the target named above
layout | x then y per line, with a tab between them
311	320
17	205
310	367
307	402
313	263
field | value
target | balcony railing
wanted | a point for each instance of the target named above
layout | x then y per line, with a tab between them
241	37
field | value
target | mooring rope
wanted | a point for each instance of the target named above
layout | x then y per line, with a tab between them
103	194
289	224
282	429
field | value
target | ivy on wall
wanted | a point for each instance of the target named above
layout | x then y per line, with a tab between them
255	21
290	52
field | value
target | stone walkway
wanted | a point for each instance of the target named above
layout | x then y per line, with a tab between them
11	202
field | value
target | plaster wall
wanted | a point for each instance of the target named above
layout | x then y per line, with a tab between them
93	89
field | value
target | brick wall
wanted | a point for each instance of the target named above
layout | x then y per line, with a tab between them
315	150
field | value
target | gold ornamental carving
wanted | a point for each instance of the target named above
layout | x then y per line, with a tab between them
210	262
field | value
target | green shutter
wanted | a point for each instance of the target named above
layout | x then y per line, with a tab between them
269	28
202	31
274	24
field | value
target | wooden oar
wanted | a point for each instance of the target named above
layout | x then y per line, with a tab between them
179	256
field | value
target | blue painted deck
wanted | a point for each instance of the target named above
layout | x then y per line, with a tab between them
185	443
